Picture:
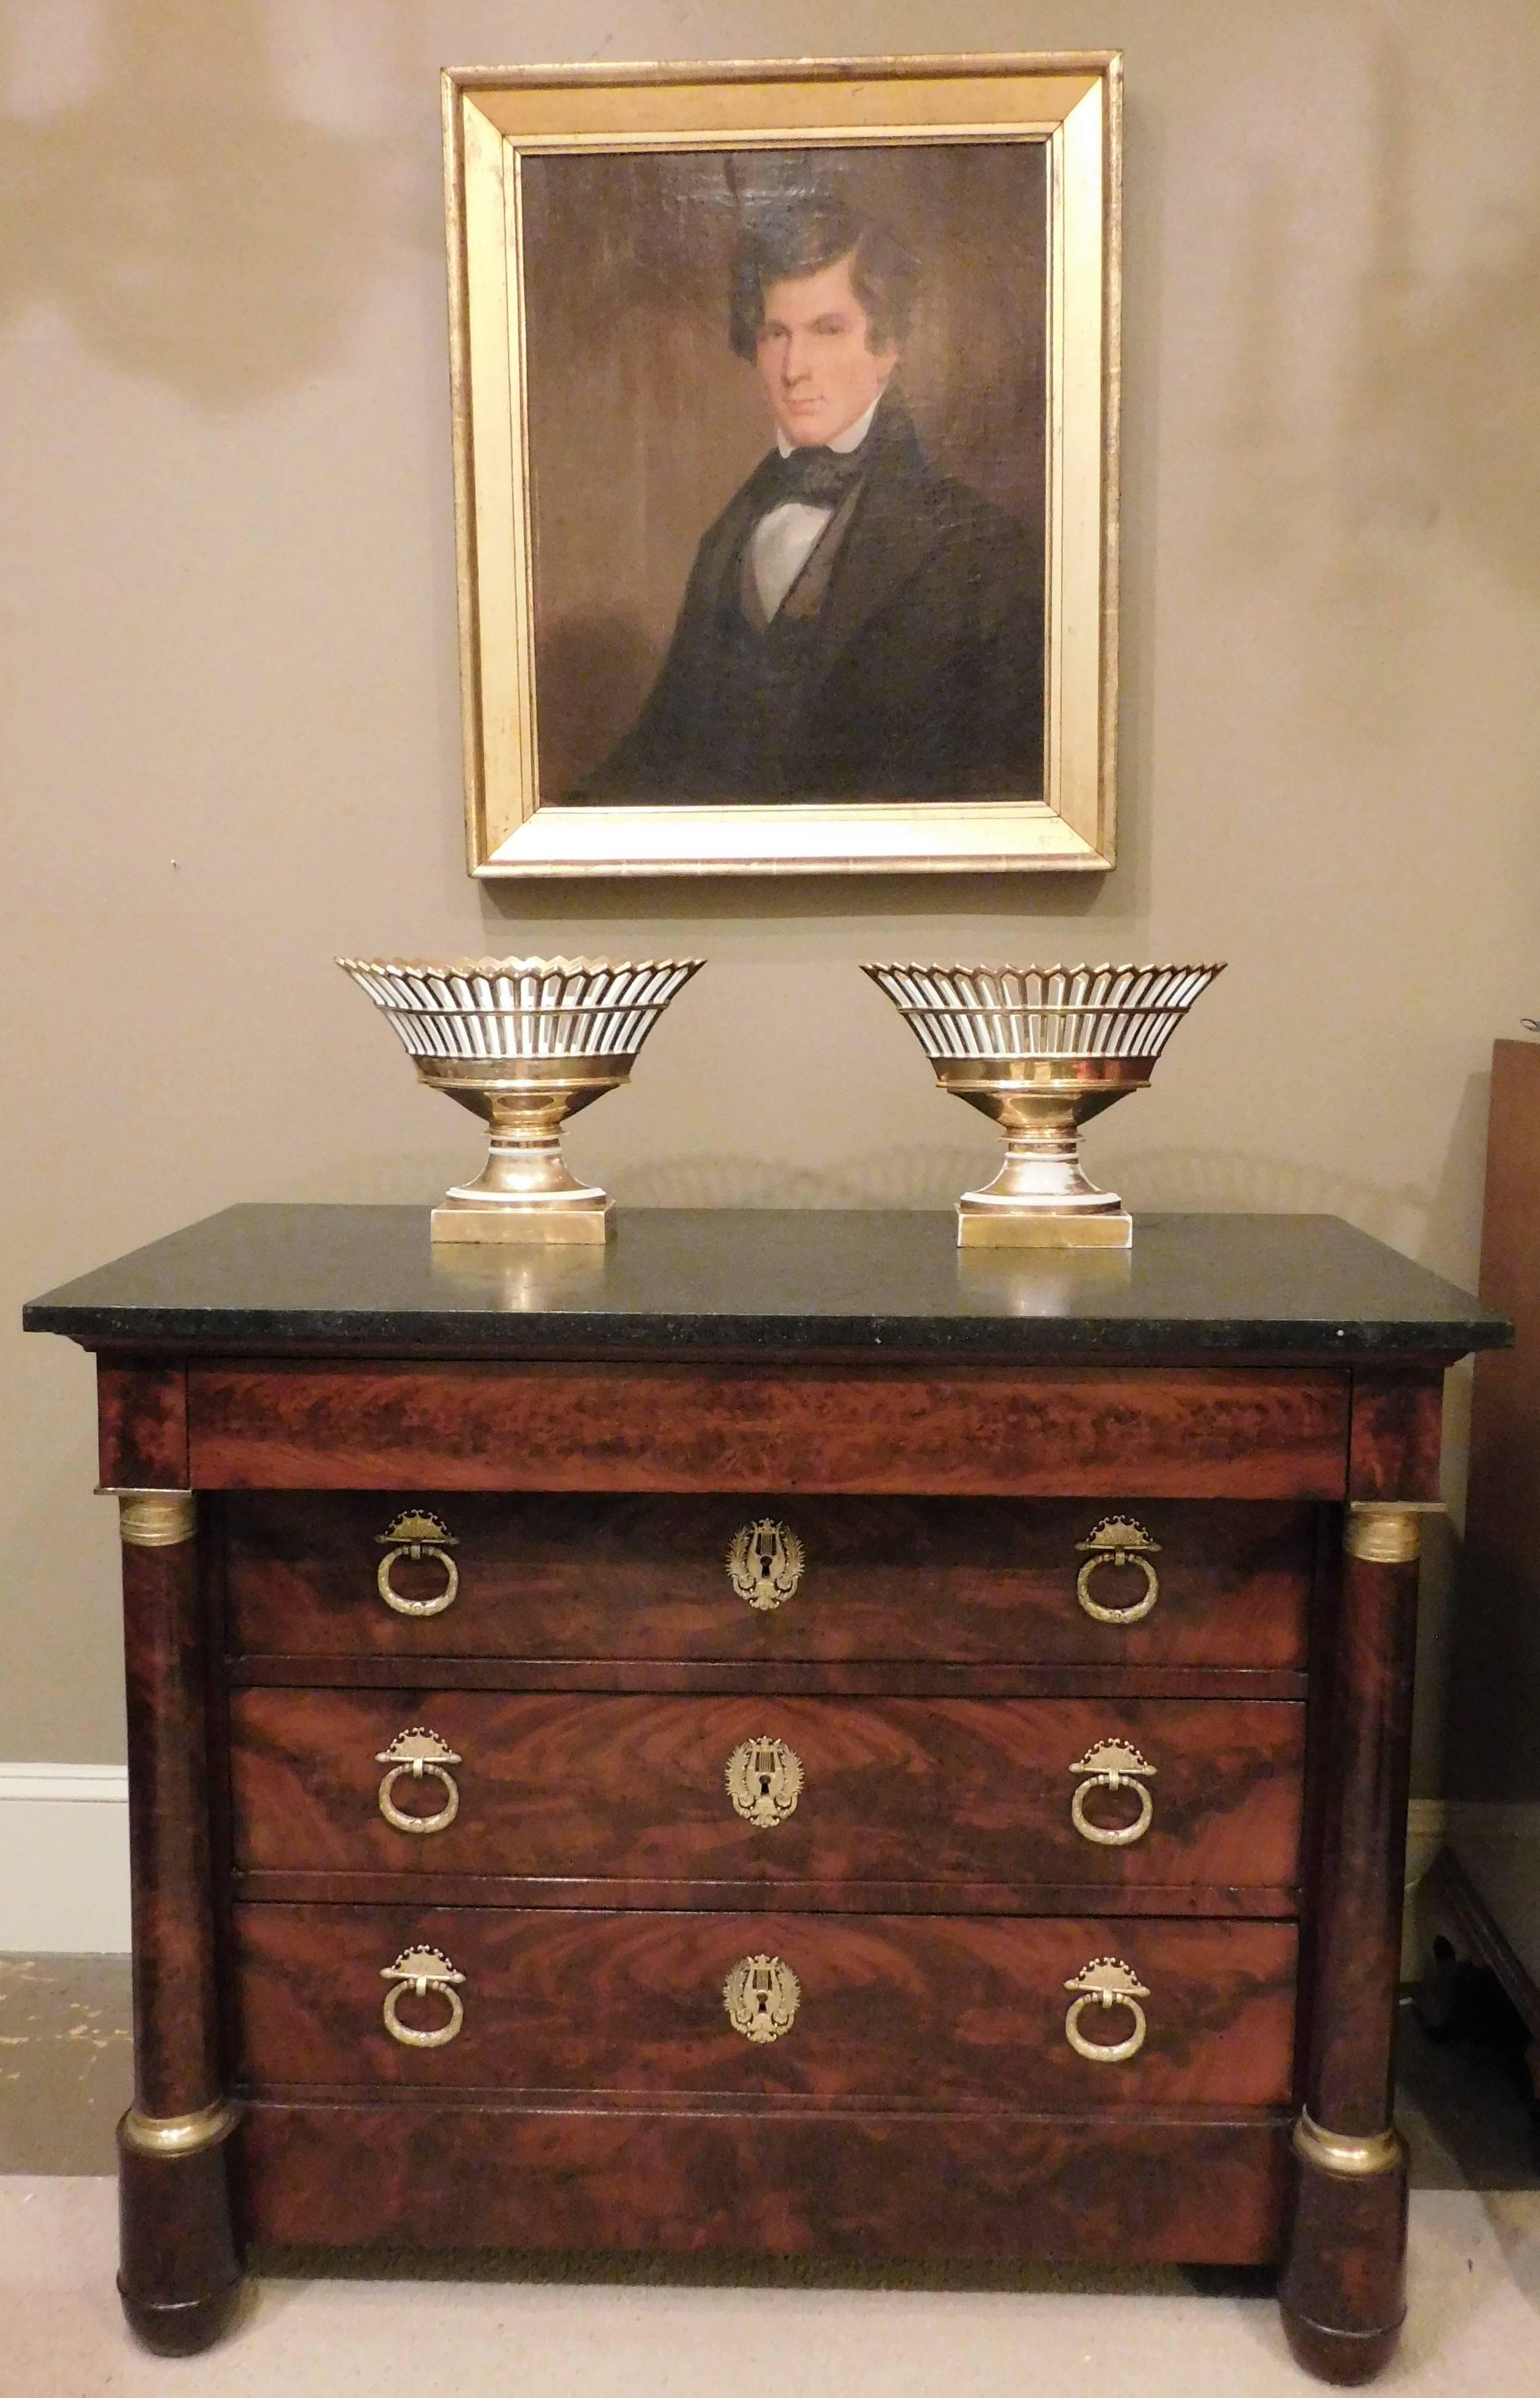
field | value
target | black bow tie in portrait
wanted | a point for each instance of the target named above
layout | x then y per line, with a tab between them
820	477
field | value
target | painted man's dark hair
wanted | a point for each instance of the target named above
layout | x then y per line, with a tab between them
799	238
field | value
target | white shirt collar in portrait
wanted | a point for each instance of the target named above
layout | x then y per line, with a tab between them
786	537
843	443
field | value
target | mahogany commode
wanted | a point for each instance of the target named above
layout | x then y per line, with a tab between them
779	1737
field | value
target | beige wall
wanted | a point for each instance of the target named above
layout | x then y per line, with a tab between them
229	685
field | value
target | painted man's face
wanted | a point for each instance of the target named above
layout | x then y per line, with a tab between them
813	356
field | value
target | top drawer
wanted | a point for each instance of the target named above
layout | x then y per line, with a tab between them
769	1578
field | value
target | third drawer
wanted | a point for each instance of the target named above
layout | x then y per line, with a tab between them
931	2011
769	1790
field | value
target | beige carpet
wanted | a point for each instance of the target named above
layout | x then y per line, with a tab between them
1475	2326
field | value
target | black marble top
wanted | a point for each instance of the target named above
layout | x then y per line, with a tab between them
737	1281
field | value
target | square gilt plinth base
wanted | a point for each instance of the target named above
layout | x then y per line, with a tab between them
1002	1231
587	1227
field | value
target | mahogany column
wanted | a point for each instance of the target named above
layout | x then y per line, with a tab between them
1342	2285
180	2275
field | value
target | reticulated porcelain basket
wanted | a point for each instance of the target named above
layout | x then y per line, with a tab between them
1041	1050
525	1044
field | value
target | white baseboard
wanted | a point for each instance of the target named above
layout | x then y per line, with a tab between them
64	1840
64	1843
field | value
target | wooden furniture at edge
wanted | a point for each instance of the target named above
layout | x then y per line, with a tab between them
1482	1897
805	1920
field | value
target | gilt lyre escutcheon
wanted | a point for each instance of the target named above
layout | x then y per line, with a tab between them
764	1780
762	1995
765	1562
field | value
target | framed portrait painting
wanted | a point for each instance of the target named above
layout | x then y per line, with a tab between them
785	439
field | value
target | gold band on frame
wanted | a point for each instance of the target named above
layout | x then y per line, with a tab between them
154	1519
1341	2153
177	2136
1387	1532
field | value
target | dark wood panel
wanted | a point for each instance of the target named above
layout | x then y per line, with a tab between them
176	2063
868	1897
1396	1433
1094	1432
1342	2288
611	1578
845	1679
1356	1932
180	2277
142	1423
1494	1696
891	1789
435	2176
943	2011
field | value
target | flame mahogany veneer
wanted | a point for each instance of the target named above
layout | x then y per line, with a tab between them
931	1790
593	1443
934	2011
975	1430
961	1581
480	2174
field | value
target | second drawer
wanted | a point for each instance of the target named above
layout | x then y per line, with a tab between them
768	1790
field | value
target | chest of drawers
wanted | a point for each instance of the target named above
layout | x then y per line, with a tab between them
780	1737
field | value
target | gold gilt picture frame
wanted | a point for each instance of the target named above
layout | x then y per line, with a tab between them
786	432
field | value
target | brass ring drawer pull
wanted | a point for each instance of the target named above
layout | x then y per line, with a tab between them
421	1969
764	1780
416	1534
1106	1981
762	1995
424	1757
1118	1540
1113	1764
764	1564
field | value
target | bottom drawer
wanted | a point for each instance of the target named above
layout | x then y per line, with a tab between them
948	2012
434	2173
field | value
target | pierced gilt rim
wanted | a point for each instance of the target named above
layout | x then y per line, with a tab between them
463	967
1108	966
1123	1014
520	1008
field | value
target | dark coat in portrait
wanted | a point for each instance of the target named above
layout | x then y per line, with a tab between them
906	661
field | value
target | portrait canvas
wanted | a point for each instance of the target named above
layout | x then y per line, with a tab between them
797	552
817	568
